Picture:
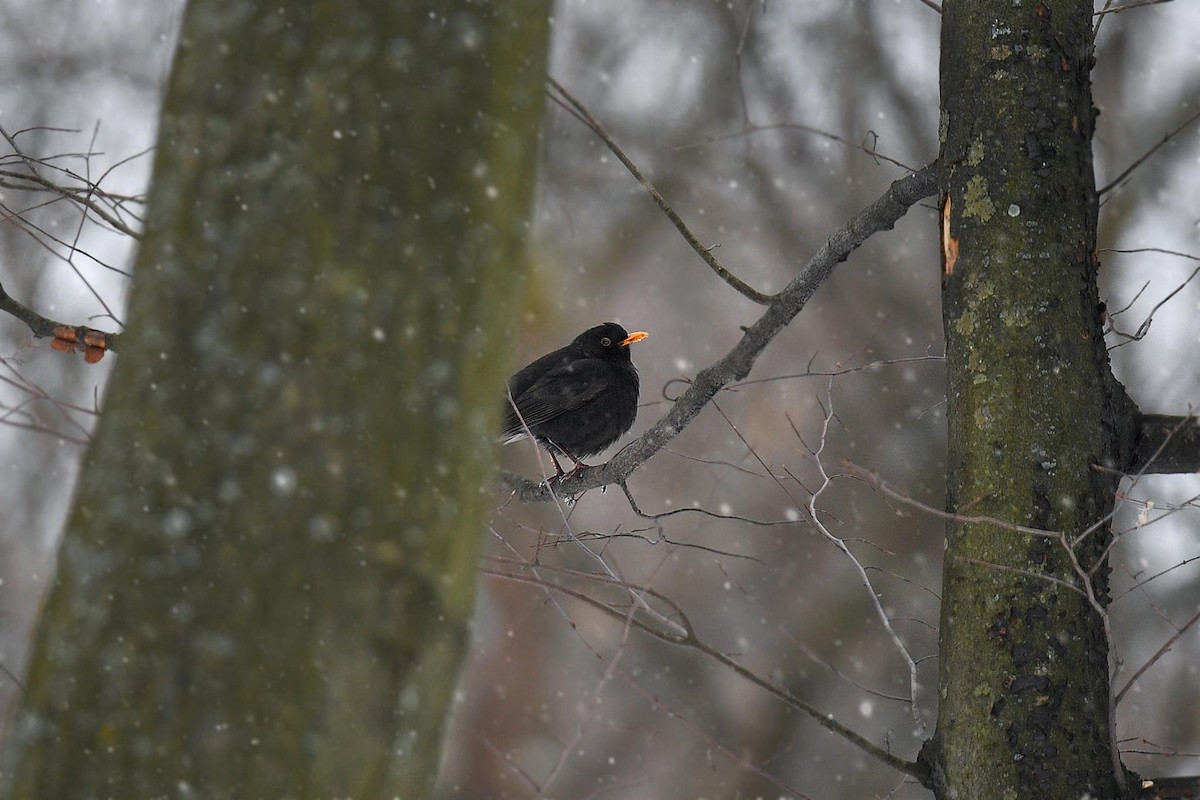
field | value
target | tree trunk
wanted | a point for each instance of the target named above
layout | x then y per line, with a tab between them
1033	411
264	586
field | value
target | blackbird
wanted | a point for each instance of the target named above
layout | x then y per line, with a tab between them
579	399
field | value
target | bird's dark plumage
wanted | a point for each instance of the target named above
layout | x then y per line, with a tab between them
579	399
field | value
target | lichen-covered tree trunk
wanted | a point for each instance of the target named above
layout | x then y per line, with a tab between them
264	586
1034	412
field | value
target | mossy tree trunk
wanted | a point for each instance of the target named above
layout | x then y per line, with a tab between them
1034	411
264	586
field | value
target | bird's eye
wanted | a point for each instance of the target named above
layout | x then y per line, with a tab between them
607	342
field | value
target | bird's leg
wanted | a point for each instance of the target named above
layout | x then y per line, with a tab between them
578	464
558	448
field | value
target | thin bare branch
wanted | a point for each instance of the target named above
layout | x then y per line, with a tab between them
1125	173
581	111
1167	444
44	327
1128	6
1158	654
1144	328
818	373
1037	576
1141	584
749	130
871	478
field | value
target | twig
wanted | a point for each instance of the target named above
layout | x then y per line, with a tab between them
1144	328
1142	159
818	373
737	59
1097	604
1037	576
797	126
12	677
93	341
1128	6
585	116
83	197
1162	651
871	478
508	762
36	394
1167	444
1140	585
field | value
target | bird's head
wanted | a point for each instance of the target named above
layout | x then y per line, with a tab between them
608	341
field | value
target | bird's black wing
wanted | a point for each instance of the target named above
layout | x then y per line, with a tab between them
560	390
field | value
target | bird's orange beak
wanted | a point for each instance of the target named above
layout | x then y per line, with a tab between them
636	336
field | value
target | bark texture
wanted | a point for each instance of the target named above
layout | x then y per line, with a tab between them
1033	408
264	587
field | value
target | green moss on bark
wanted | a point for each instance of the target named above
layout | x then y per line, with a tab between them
1023	673
264	587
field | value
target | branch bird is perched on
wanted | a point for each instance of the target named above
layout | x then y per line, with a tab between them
579	399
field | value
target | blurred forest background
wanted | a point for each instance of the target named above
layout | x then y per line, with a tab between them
758	122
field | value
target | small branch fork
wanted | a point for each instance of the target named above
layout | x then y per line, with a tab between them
815	518
28	395
87	194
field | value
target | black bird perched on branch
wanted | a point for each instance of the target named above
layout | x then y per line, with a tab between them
579	399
